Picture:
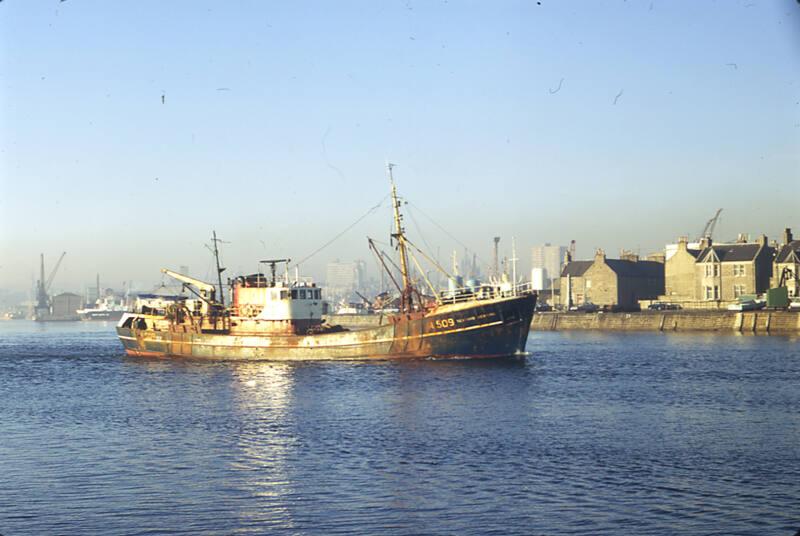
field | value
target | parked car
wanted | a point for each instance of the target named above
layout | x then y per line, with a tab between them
543	307
587	307
664	306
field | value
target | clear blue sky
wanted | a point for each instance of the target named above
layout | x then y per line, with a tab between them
617	124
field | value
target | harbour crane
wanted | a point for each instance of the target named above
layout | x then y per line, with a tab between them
787	274
42	297
708	230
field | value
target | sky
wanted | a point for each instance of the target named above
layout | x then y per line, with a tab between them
130	130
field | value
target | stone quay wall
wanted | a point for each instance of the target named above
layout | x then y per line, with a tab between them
758	322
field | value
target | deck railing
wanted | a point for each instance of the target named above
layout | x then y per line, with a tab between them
484	292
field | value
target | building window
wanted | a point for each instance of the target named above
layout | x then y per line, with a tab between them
738	290
739	270
712	293
716	270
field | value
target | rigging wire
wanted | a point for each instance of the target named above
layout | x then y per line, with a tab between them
419	230
448	234
335	238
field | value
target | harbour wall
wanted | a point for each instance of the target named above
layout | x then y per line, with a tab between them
754	322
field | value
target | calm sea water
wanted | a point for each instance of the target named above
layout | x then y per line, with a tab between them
591	434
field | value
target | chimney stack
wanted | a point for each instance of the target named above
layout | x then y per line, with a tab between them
787	235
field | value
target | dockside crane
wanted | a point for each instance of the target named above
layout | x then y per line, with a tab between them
708	230
787	274
43	285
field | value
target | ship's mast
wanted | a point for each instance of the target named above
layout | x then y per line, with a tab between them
219	270
405	298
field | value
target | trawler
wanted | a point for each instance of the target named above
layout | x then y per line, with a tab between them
277	317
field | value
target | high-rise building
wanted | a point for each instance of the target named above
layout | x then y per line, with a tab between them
549	259
537	279
342	278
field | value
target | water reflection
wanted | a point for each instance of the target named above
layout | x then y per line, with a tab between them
262	396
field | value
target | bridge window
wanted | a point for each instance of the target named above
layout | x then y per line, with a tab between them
284	294
302	294
294	293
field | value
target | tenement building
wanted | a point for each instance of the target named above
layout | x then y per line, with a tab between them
614	284
679	273
724	272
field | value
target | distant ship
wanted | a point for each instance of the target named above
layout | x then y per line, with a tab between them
106	308
281	318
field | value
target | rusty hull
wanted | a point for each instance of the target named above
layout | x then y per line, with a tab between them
491	328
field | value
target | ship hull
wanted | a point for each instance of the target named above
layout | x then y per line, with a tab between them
496	328
102	315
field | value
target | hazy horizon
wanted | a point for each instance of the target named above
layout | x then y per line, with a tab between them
132	130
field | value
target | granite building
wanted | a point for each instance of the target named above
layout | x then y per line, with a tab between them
613	284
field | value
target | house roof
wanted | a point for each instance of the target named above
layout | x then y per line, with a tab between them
786	251
694	252
620	267
576	268
732	252
636	269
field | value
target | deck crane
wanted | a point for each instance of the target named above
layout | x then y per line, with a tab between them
708	230
364	299
207	290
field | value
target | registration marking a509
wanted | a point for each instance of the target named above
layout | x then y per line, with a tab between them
442	323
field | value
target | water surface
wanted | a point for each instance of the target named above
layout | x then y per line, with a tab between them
593	433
